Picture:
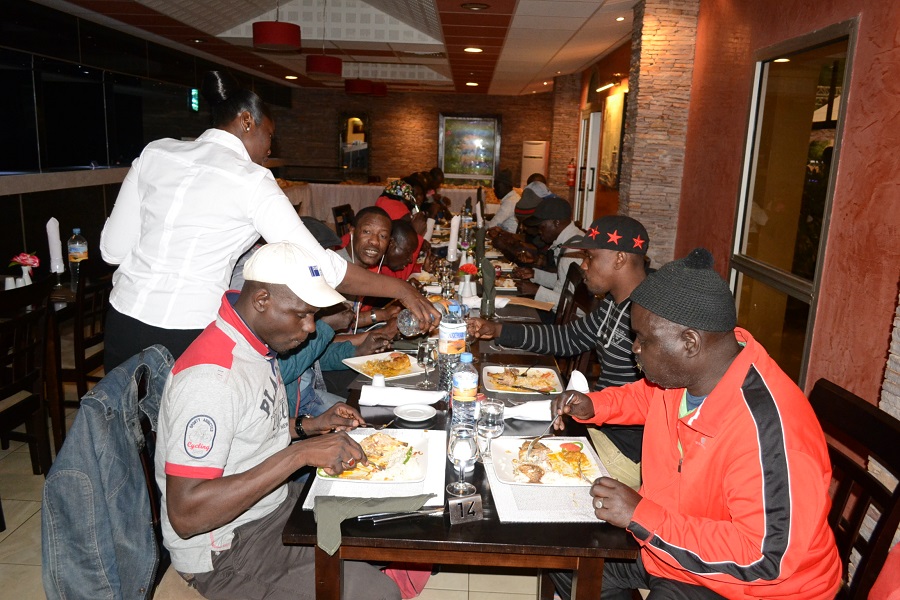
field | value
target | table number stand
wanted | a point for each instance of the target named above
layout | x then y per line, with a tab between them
465	509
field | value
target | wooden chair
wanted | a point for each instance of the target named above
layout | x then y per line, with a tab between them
343	218
857	430
574	296
23	348
91	304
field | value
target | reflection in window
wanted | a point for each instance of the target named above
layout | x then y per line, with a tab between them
792	143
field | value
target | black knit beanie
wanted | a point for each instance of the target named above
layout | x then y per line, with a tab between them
689	292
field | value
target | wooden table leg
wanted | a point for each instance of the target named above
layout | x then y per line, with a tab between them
328	575
53	382
587	579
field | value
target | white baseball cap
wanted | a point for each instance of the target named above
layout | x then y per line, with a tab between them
291	265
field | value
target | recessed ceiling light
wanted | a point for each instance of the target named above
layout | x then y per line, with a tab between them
473	50
545	83
782	60
471	84
474	5
290	77
558	72
604	87
198	40
620	19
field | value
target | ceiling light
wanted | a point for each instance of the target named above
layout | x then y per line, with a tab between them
198	40
782	60
620	19
473	50
379	90
558	72
275	35
474	5
291	77
471	84
545	83
321	64
604	87
358	86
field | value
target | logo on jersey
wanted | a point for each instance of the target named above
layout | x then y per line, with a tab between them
314	271
199	435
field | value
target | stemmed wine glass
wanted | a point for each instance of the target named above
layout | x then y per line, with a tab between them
462	451
490	425
425	358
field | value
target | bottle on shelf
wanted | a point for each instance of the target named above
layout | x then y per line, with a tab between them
451	344
463	405
78	252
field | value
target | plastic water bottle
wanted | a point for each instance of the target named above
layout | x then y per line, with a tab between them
463	407
78	251
451	344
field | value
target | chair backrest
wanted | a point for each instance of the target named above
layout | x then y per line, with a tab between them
574	296
857	430
343	218
91	305
23	348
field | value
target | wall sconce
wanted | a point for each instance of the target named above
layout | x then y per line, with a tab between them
616	80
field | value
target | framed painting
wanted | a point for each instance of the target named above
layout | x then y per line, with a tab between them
469	149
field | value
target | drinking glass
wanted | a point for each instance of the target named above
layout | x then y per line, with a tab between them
462	451
425	358
490	425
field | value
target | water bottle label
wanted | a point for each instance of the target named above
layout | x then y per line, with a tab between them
78	253
452	338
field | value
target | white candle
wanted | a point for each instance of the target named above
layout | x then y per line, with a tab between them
429	229
478	219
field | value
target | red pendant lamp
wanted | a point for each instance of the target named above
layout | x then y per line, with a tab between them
322	64
276	35
358	86
379	90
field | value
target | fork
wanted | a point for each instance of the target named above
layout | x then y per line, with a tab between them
546	431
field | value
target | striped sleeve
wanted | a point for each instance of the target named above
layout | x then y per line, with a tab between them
566	340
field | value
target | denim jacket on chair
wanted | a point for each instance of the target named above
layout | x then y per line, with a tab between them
97	535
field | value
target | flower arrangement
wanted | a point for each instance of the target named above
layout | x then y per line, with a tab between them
25	260
468	269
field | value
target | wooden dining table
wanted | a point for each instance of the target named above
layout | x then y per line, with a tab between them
579	547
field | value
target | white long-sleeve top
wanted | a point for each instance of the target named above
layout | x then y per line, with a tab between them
552	283
185	213
505	217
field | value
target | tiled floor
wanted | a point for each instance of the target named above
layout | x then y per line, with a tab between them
20	544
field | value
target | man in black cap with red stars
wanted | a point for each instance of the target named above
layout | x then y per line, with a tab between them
613	258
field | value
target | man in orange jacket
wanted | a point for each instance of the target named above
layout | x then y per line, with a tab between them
735	468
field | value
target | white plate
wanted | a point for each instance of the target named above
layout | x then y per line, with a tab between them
415	413
423	277
506	283
493	254
505	450
489	385
356	363
413	471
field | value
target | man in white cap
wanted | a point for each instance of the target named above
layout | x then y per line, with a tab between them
224	447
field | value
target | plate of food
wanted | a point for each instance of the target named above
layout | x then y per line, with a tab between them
394	456
515	380
506	283
555	461
393	365
423	277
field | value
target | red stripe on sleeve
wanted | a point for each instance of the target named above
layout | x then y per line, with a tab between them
193	472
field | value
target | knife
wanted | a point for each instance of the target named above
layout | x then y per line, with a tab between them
536	391
387	515
409	515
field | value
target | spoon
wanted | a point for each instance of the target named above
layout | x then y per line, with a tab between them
546	431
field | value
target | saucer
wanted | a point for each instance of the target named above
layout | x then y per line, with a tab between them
415	412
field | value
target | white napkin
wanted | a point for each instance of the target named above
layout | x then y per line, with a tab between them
394	396
578	382
478	219
535	410
475	301
452	250
56	261
429	229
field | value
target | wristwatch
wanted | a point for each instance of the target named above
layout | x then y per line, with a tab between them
298	426
373	317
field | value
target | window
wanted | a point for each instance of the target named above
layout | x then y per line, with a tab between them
781	228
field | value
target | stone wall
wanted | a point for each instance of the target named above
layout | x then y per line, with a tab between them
564	143
404	127
659	81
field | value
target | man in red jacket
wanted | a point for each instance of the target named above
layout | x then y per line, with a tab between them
735	468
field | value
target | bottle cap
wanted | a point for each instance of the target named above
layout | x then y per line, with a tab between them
76	231
453	308
465	357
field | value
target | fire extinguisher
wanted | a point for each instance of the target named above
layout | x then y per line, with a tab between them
570	173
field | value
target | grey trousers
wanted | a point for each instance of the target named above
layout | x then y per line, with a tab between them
259	566
620	578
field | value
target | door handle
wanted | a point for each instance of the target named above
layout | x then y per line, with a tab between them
591	189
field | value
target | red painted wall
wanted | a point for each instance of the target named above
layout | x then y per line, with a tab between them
862	260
